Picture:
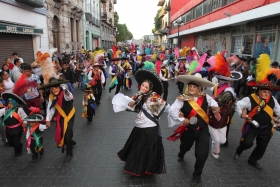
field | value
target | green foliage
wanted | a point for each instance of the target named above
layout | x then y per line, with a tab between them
157	21
124	33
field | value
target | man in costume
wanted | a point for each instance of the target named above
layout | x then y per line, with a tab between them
181	68
190	111
62	101
88	104
260	107
127	74
13	122
96	80
116	71
165	77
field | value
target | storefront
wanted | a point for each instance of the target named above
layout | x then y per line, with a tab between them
16	38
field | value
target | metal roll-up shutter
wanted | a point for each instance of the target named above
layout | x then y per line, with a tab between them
20	43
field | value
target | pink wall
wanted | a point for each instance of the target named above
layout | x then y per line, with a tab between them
179	7
234	8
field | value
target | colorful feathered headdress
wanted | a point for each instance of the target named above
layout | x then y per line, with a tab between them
218	65
97	55
262	71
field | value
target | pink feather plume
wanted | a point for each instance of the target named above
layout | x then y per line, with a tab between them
201	62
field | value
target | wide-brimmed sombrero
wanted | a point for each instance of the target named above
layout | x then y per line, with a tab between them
7	95
234	75
97	65
116	59
196	78
53	82
34	117
181	58
143	74
125	58
265	85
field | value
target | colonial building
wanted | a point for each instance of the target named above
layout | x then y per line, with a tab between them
65	24
91	24
23	28
107	22
162	33
246	28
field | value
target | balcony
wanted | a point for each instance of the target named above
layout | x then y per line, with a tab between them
162	13
103	1
167	7
104	17
161	2
110	21
88	17
32	3
115	1
110	6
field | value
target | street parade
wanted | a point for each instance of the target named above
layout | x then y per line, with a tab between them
207	112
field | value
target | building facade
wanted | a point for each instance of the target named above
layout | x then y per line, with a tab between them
91	24
107	23
65	24
23	28
245	28
162	33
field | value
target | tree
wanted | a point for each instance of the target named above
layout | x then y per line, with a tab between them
157	21
124	33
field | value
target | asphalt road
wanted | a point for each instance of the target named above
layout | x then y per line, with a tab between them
95	162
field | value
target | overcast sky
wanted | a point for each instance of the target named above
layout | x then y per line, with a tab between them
138	15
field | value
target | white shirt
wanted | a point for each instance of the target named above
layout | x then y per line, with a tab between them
9	85
102	76
50	112
17	73
41	128
173	115
20	112
111	69
245	103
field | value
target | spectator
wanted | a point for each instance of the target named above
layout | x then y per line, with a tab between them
17	71
68	74
8	61
6	68
274	65
32	97
8	83
15	56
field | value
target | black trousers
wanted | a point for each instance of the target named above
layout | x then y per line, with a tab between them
90	113
97	91
13	136
165	89
33	150
228	124
262	137
68	138
201	139
180	86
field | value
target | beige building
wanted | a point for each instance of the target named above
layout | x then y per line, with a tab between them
107	22
162	33
65	24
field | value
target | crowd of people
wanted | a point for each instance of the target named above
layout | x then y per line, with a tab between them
244	86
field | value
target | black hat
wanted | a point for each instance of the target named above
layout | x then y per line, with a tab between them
143	74
7	95
53	82
34	117
116	59
125	58
87	89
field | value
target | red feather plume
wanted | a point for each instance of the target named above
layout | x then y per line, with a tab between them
218	65
22	85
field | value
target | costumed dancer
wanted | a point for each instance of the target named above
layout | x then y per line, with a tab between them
165	77
225	79
12	121
34	135
127	74
260	107
88	104
96	80
190	112
115	70
143	152
61	101
99	57
181	68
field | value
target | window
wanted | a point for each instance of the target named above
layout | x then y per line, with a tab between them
198	10
264	44
207	7
236	44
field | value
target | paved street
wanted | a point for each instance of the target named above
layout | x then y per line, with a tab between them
95	162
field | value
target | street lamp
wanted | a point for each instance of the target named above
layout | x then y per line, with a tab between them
178	23
116	32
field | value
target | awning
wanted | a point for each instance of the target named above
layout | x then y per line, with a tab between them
17	29
163	31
